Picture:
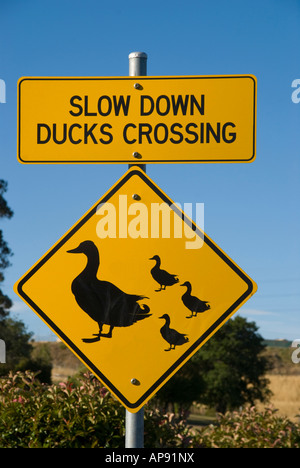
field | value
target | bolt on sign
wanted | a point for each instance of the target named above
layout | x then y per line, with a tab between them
152	119
133	304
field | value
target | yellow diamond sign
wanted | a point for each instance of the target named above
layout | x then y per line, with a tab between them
151	119
135	288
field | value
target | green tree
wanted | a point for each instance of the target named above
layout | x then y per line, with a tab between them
18	347
227	372
178	394
234	367
5	252
13	332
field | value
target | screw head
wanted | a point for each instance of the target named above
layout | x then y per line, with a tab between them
137	86
135	196
136	155
135	382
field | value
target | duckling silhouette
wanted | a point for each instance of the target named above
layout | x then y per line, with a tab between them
162	277
104	302
173	337
194	304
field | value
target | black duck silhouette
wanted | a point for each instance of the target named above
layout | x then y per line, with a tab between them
173	337
194	304
162	277
104	302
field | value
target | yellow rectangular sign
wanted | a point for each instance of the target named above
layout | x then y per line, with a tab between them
180	119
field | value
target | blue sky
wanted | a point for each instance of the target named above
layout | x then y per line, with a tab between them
251	210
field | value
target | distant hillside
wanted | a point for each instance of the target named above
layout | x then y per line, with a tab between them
64	362
280	357
278	343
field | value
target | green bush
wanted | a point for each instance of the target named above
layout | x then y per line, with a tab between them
83	414
251	429
165	430
79	414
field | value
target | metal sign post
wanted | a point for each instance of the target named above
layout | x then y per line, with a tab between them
138	67
134	364
134	424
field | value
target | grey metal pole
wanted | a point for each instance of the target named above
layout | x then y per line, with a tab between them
134	429
138	67
138	64
134	424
